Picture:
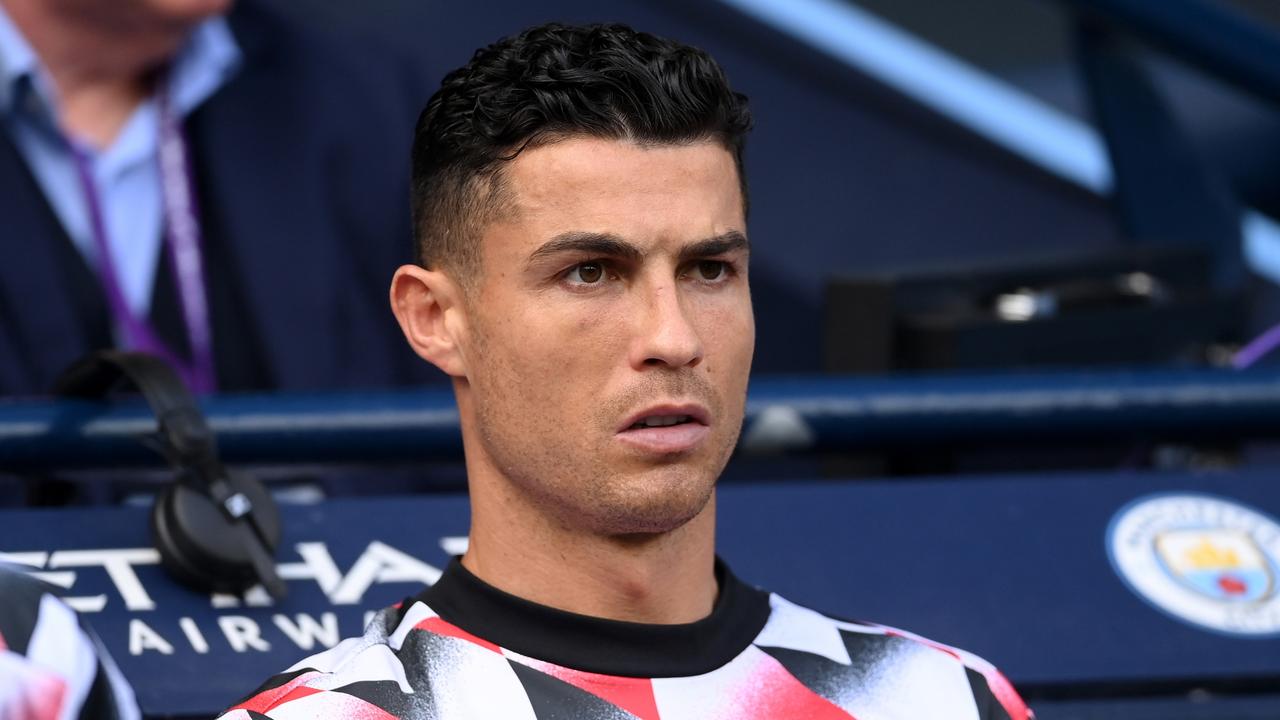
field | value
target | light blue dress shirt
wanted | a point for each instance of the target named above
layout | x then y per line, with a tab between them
126	173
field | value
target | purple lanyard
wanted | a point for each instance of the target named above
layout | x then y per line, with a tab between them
182	235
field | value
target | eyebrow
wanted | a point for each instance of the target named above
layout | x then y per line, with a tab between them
610	245
589	243
718	245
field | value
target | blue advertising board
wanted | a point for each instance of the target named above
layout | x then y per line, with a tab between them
1022	570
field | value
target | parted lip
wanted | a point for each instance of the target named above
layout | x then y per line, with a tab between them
697	413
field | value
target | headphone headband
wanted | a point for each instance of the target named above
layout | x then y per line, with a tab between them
180	423
248	523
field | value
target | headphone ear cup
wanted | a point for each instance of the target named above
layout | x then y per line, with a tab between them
198	543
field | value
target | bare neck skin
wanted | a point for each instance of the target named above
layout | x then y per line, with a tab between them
665	578
101	71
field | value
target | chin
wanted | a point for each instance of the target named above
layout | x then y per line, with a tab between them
653	503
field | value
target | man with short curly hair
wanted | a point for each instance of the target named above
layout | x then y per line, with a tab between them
580	210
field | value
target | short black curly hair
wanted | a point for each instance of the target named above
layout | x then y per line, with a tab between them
546	83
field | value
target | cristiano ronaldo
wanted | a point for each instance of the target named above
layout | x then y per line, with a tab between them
580	216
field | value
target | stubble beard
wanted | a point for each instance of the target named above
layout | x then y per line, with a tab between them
581	481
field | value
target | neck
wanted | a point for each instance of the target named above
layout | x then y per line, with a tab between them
660	578
102	66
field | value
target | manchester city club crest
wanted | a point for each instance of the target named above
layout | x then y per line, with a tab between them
1205	560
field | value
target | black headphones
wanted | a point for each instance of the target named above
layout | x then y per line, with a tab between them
216	531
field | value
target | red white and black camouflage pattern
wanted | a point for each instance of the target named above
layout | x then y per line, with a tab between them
52	667
413	664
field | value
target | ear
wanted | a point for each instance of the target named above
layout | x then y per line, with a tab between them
428	305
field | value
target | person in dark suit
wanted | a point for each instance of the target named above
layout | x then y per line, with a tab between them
211	183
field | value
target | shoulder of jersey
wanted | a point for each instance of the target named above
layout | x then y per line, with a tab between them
867	670
359	677
51	664
878	670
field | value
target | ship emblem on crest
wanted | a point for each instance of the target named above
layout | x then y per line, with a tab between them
1224	565
1205	560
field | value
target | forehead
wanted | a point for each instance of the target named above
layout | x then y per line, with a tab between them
643	192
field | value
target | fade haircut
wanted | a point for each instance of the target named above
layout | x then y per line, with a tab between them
547	83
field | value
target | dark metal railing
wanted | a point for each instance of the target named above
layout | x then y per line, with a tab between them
791	415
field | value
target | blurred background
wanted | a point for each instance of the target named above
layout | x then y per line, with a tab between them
858	174
1014	268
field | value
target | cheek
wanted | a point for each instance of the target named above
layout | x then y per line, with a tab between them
556	356
728	330
574	341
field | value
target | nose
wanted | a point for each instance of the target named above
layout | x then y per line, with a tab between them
666	336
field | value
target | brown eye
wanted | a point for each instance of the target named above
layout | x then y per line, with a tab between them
587	273
711	269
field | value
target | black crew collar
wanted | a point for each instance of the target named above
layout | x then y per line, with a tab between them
597	645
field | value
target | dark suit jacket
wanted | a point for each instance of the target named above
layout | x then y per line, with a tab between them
301	167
